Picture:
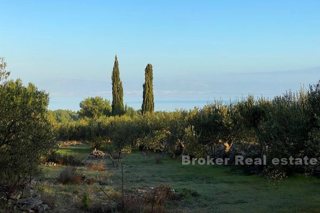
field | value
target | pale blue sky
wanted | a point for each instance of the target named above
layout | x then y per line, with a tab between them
200	50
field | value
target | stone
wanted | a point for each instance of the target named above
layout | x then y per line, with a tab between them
42	208
27	204
16	195
98	154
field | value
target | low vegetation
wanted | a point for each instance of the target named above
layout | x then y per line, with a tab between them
176	188
285	126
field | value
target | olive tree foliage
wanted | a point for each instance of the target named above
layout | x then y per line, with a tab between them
62	116
161	132
247	118
3	71
95	107
25	133
212	125
283	131
121	132
313	100
192	147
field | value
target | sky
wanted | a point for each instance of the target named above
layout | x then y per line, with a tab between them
201	51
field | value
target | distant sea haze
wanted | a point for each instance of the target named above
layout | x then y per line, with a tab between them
188	92
162	105
172	105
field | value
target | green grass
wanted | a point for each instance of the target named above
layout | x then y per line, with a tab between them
223	189
79	151
220	189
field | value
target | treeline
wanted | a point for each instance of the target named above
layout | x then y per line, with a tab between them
284	126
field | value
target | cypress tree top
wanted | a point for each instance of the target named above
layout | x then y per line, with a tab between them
148	98
117	90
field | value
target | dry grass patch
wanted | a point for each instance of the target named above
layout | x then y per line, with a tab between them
96	166
69	176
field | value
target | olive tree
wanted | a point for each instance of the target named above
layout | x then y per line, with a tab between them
25	134
95	107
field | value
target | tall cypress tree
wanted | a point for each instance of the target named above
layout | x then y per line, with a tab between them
117	90
148	99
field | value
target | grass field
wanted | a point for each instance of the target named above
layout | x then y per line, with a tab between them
80	151
208	188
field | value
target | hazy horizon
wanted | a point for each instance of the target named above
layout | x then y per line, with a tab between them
226	87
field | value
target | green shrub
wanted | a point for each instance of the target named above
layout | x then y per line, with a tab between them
85	201
67	160
70	176
25	133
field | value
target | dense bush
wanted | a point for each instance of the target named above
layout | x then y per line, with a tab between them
95	107
62	116
25	133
